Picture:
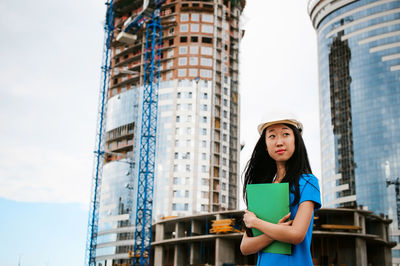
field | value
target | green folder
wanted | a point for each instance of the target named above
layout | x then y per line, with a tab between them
270	202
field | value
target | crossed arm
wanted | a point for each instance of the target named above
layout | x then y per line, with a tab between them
291	232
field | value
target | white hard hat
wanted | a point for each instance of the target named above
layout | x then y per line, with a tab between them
279	118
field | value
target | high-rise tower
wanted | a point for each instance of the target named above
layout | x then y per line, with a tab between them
198	121
359	73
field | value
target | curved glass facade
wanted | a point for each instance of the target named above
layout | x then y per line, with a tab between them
359	74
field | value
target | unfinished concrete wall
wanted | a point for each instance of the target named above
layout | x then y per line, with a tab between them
224	251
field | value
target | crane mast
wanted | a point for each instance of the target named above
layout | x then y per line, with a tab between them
150	16
91	241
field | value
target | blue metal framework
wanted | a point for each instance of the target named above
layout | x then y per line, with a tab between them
143	224
91	241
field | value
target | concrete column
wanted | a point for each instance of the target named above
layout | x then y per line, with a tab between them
195	253
388	256
178	256
224	251
361	251
196	227
158	251
158	256
359	220
159	232
179	230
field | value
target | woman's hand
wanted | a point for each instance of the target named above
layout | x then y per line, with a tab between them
284	218
249	219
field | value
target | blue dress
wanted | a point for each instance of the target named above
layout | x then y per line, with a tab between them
301	254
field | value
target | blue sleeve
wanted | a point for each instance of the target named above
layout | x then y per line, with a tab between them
309	190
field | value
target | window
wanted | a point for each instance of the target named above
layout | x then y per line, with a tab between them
186	206
204	119
207	18
203	144
178	118
183	39
207	29
171	30
203	207
204	194
204	95
176	143
204	181
174	206
189	118
225	91
204	107
193	72
176	155
178	95
170	63
224	125
186	193
206	40
223	199
224	173
205	61
194	39
176	180
188	142
190	95
224	149
204	156
225	102
188	168
224	137
225	114
188	130
194	49
183	49
195	17
182	61
181	72
170	53
204	73
223	186
184	17
194	27
204	169
171	42
203	131
224	161
206	50
193	61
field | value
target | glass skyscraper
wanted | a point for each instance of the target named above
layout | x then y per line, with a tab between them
359	83
198	120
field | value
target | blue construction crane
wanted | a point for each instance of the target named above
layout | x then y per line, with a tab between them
143	224
91	241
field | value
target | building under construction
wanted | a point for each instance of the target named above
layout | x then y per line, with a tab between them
340	237
197	152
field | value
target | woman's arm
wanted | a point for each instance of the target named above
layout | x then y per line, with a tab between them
290	234
251	245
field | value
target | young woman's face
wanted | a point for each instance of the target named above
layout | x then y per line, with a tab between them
280	142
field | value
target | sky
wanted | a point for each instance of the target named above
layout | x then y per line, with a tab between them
49	84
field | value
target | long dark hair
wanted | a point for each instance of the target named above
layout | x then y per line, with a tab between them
261	168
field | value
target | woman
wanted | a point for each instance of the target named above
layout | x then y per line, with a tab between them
280	156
